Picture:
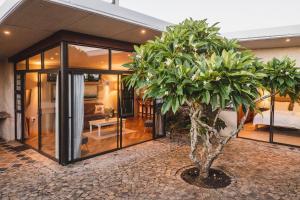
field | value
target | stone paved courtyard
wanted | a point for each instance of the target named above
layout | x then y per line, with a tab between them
151	171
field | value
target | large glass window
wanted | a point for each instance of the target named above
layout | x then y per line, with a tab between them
137	115
257	125
31	110
21	65
286	125
35	62
88	57
49	114
119	58
95	114
52	58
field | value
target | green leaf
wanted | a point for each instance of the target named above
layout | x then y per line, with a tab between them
166	106
206	97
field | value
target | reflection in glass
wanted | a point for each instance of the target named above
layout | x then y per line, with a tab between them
52	58
35	62
88	57
119	58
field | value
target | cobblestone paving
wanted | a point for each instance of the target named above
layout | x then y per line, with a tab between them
152	171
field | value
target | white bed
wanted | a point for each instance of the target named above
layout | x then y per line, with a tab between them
282	116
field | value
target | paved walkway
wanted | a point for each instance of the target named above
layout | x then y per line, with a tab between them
150	171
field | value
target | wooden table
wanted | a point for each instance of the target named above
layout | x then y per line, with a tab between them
104	122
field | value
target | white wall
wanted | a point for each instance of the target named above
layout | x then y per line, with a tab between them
268	54
7	99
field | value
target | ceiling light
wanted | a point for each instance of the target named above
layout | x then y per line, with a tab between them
6	32
51	58
56	54
143	31
287	39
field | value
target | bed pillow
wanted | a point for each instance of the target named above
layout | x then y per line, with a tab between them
296	107
282	106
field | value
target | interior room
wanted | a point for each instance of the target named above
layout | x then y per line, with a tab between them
106	115
72	102
41	103
253	128
104	124
285	127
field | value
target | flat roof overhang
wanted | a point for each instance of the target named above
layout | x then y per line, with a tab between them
30	21
277	37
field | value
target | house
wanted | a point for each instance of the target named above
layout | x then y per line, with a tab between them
61	77
279	120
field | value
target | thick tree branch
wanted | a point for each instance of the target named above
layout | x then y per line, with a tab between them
218	150
209	128
217	116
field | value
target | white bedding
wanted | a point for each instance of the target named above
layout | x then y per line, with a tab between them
287	119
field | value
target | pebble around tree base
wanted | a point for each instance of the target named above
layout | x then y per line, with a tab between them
216	178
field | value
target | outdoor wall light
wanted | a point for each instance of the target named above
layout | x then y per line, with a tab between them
143	31
6	32
287	39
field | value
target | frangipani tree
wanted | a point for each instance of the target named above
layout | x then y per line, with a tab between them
192	64
282	78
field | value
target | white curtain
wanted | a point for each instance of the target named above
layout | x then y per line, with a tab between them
78	112
57	118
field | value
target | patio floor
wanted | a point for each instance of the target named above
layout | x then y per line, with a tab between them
150	171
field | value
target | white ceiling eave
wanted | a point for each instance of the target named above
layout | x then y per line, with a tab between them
30	21
7	8
268	38
116	12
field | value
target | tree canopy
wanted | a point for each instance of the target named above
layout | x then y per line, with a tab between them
193	62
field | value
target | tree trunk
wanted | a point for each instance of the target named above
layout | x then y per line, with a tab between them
194	140
209	153
204	171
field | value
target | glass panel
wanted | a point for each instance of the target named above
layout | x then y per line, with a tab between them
52	58
19	126
137	117
95	122
257	125
19	102
31	110
21	65
286	127
35	62
119	58
88	57
49	118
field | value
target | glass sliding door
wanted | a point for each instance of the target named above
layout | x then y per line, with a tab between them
49	99
94	117
286	123
137	116
31	110
257	124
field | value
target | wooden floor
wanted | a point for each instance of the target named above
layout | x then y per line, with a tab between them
281	135
134	133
